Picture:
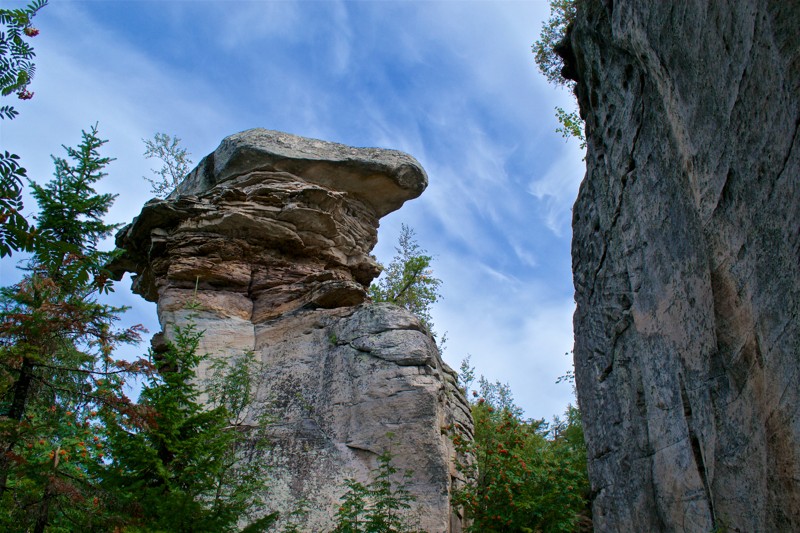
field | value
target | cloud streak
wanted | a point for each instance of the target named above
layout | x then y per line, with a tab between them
453	84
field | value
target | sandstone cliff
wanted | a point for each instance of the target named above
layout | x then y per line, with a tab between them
272	234
686	261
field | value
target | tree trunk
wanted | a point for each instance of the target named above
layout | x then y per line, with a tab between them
16	412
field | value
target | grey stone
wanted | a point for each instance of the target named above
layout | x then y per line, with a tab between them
338	404
271	237
383	179
686	263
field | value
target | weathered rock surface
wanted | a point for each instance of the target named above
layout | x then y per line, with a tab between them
342	380
686	260
271	234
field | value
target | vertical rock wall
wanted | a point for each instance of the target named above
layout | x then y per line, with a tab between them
686	261
271	235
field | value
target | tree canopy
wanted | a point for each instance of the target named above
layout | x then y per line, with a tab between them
175	163
527	475
408	281
77	453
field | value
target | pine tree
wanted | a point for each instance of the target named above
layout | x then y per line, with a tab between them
178	464
408	280
381	506
75	453
56	343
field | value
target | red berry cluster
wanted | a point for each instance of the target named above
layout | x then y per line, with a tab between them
30	31
25	94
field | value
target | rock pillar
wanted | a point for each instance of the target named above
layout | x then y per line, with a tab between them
271	235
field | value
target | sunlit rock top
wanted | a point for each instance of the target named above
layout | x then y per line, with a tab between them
383	179
283	220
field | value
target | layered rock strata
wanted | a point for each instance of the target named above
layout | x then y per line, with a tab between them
686	260
271	235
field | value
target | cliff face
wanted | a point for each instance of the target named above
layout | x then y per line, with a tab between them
686	261
271	235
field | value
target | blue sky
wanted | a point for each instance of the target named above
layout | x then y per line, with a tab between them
452	83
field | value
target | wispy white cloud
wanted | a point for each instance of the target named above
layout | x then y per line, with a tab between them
557	188
86	75
238	27
451	83
524	255
341	49
479	216
524	333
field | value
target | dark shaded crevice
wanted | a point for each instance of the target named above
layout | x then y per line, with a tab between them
564	50
602	454
792	144
594	493
697	450
356	447
251	295
748	55
619	329
724	193
607	371
792	382
599	267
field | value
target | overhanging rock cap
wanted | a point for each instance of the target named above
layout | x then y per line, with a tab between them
383	179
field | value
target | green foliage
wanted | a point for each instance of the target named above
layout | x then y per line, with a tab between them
179	464
571	125
526	475
77	454
15	231
562	13
16	73
70	221
408	280
16	55
350	515
382	506
56	369
554	31
175	163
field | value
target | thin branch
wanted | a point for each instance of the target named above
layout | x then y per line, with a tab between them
87	372
408	285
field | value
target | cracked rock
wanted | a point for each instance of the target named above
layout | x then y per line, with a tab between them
686	263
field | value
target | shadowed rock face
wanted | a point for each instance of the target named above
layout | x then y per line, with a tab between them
686	262
271	234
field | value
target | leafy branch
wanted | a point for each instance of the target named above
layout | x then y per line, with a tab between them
408	281
554	34
16	73
175	163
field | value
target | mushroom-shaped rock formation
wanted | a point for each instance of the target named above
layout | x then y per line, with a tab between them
271	235
286	220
